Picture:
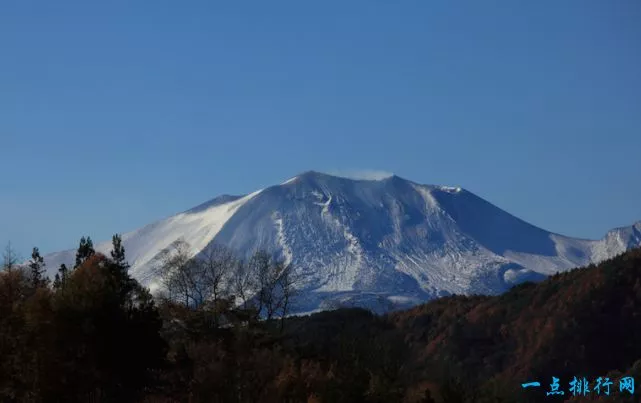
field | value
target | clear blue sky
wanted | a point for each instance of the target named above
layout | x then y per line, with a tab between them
116	113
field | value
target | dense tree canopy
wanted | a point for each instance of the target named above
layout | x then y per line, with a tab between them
96	335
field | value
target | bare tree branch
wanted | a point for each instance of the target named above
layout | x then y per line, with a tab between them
178	273
9	258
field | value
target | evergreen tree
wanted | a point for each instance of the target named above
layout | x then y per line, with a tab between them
120	268
81	250
117	334
118	252
36	266
85	250
90	250
56	281
60	277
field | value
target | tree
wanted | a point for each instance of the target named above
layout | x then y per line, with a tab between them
56	282
216	263
287	285
61	276
242	284
90	250
274	284
80	252
179	275
203	279
106	341
36	267
118	252
85	250
120	267
9	258
14	374
264	282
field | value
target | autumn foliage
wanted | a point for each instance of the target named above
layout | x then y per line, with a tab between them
98	336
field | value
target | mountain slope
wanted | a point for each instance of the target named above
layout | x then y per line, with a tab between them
378	243
587	321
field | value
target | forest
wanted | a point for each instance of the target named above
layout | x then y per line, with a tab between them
221	332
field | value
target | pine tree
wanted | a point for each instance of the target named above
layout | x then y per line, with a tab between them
120	268
90	250
36	266
85	250
81	250
118	252
61	277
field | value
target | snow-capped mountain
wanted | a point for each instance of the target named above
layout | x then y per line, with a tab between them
381	243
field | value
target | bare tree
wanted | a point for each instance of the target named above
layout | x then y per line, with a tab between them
201	281
180	274
274	284
9	258
242	284
216	265
218	262
216	280
265	279
287	284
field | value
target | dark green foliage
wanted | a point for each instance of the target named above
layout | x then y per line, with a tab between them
57	283
60	277
85	250
36	269
118	252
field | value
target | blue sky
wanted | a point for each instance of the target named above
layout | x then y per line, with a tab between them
115	114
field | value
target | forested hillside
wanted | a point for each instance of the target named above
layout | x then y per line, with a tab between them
95	335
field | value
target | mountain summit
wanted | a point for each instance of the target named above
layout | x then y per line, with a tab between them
378	243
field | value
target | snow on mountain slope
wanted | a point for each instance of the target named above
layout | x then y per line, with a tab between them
197	227
379	243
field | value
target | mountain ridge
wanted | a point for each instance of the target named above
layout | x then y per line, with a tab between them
388	241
